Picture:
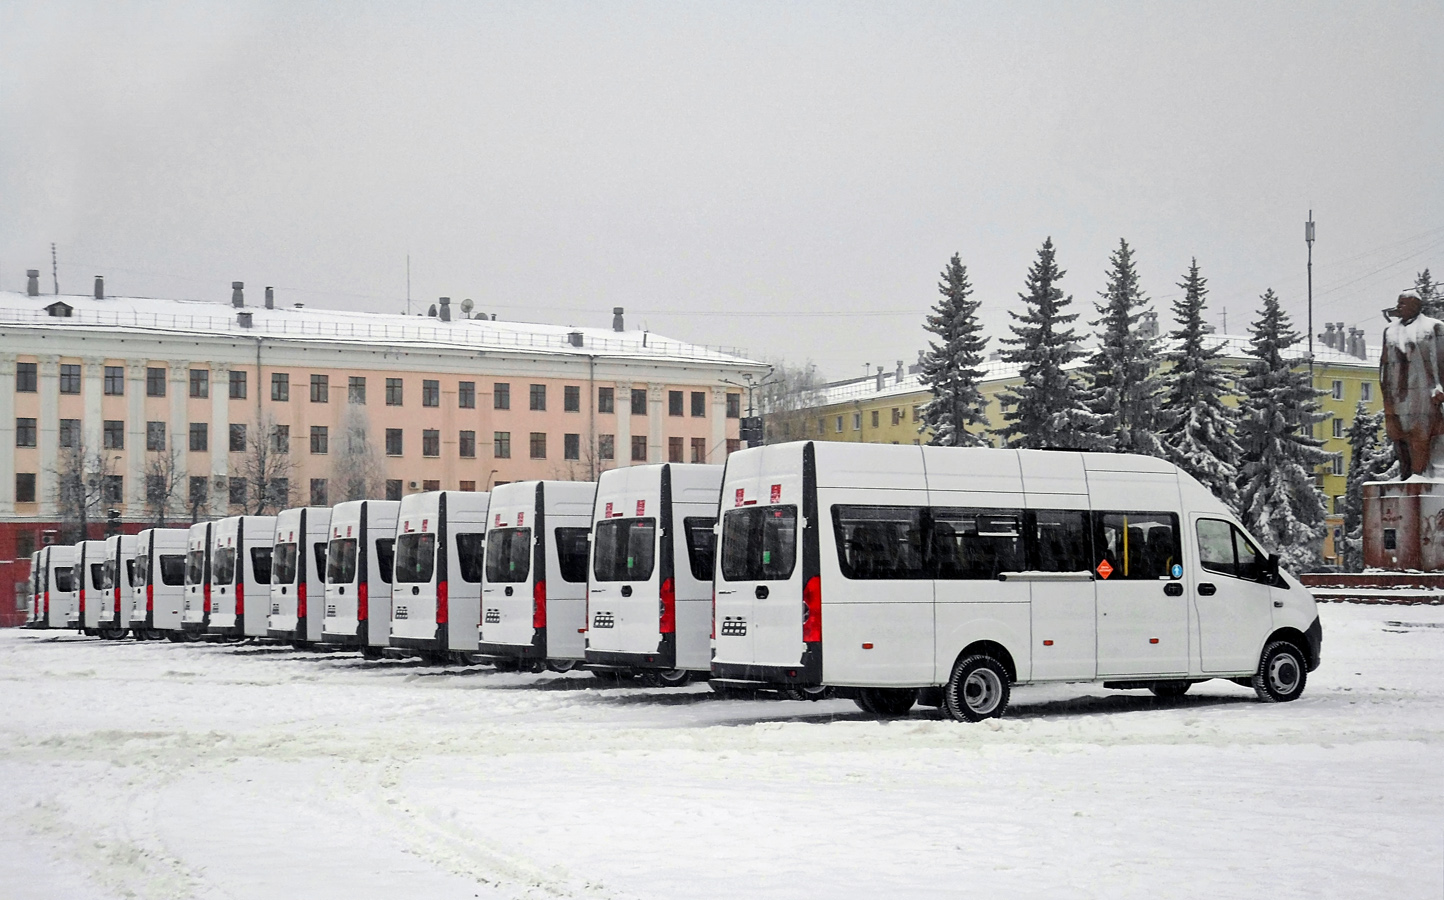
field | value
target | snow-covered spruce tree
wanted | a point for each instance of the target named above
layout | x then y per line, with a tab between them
1279	500
1122	374
1048	409
952	367
1198	429
1430	294
1369	458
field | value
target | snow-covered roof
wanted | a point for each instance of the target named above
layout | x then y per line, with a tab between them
150	315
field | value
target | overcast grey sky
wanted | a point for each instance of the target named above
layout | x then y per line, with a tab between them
786	178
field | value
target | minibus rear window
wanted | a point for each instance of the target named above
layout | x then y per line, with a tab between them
142	566
129	573
63	579
283	563
341	564
572	546
1060	541
625	549
508	556
471	555
261	564
97	575
759	543
879	541
385	557
195	567
976	543
415	557
701	545
1137	545
173	569
223	566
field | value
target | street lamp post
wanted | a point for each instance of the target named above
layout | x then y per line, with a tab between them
1309	239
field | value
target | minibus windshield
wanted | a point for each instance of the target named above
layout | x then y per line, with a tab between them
223	566
195	566
341	561
508	555
415	557
759	543
624	549
173	569
283	563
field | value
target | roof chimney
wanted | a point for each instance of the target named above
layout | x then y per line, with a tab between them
99	287
617	318
270	297
244	318
574	338
32	282
446	309
238	297
879	377
900	373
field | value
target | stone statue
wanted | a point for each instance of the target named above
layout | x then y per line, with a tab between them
1409	375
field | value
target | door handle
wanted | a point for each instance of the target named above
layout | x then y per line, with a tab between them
1207	589
1278	604
626	590
508	590
1173	589
762	592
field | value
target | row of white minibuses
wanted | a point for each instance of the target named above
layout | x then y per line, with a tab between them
895	575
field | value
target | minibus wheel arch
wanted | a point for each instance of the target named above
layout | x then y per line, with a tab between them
989	648
1297	638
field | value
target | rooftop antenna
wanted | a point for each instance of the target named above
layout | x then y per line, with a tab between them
1225	320
408	284
54	268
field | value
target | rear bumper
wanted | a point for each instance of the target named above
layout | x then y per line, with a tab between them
425	645
627	659
798	675
344	640
509	651
280	634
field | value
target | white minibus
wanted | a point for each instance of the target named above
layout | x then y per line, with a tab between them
72	602
89	585
359	563
298	583
650	592
436	590
32	603
241	575
113	619
534	594
946	575
158	598
56	585
196	614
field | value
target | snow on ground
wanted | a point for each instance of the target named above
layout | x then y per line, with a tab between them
164	770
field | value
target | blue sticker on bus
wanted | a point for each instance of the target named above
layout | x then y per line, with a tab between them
1177	570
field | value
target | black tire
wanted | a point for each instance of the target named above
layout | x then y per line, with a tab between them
811	693
977	690
369	652
562	665
887	703
112	634
1282	673
1170	690
863	699
673	677
175	637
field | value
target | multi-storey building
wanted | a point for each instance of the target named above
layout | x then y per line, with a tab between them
310	397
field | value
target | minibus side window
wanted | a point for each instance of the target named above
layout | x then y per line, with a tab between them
173	569
415	557
976	543
261	564
1225	550
759	543
195	566
223	566
97	575
572	546
283	563
1058	541
1138	545
1250	561
471	555
625	549
341	566
876	542
385	557
508	555
701	545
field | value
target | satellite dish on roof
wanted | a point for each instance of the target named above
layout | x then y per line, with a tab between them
467	306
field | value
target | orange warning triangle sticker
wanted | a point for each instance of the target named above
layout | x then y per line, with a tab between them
1104	569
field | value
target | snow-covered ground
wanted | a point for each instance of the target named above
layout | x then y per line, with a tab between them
164	770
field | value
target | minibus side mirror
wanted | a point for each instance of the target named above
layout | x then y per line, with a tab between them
1271	570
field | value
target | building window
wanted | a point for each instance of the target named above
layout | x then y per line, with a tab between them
430	392
1338	392
501	444
466	395
431	484
200	383
874	418
278	490
699	450
469	486
24	542
25	432
155	435
113	489
237	491
24	487
318	492
200	437
69	379
571	398
699	404
393	489
238	385
466	445
674	450
734	406
571	446
639	401
238	439
639	448
839	424
281	438
430	442
1338	427
393	392
69	433
821	427
539	397
200	491
320	389
674	403
918	413
154	382
501	396
856	421
897	416
1366	391
115	381
607	446
393	442
320	439
280	387
27	378
538	445
733	445
356	390
606	400
112	434
1338	464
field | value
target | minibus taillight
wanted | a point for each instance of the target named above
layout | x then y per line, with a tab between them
150	598
241	595
668	612
539	604
442	603
47	604
207	606
714	612
362	598
812	610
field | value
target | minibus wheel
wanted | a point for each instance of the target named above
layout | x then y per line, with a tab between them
887	703
175	637
977	690
673	677
1281	673
561	665
369	652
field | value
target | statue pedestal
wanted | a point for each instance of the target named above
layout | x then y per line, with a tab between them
1404	525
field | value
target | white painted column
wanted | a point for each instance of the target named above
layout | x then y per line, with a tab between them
135	435
49	436
7	433
656	396
221	437
91	390
622	403
178	435
717	452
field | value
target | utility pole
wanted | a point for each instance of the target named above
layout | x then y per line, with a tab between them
55	272
1309	239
